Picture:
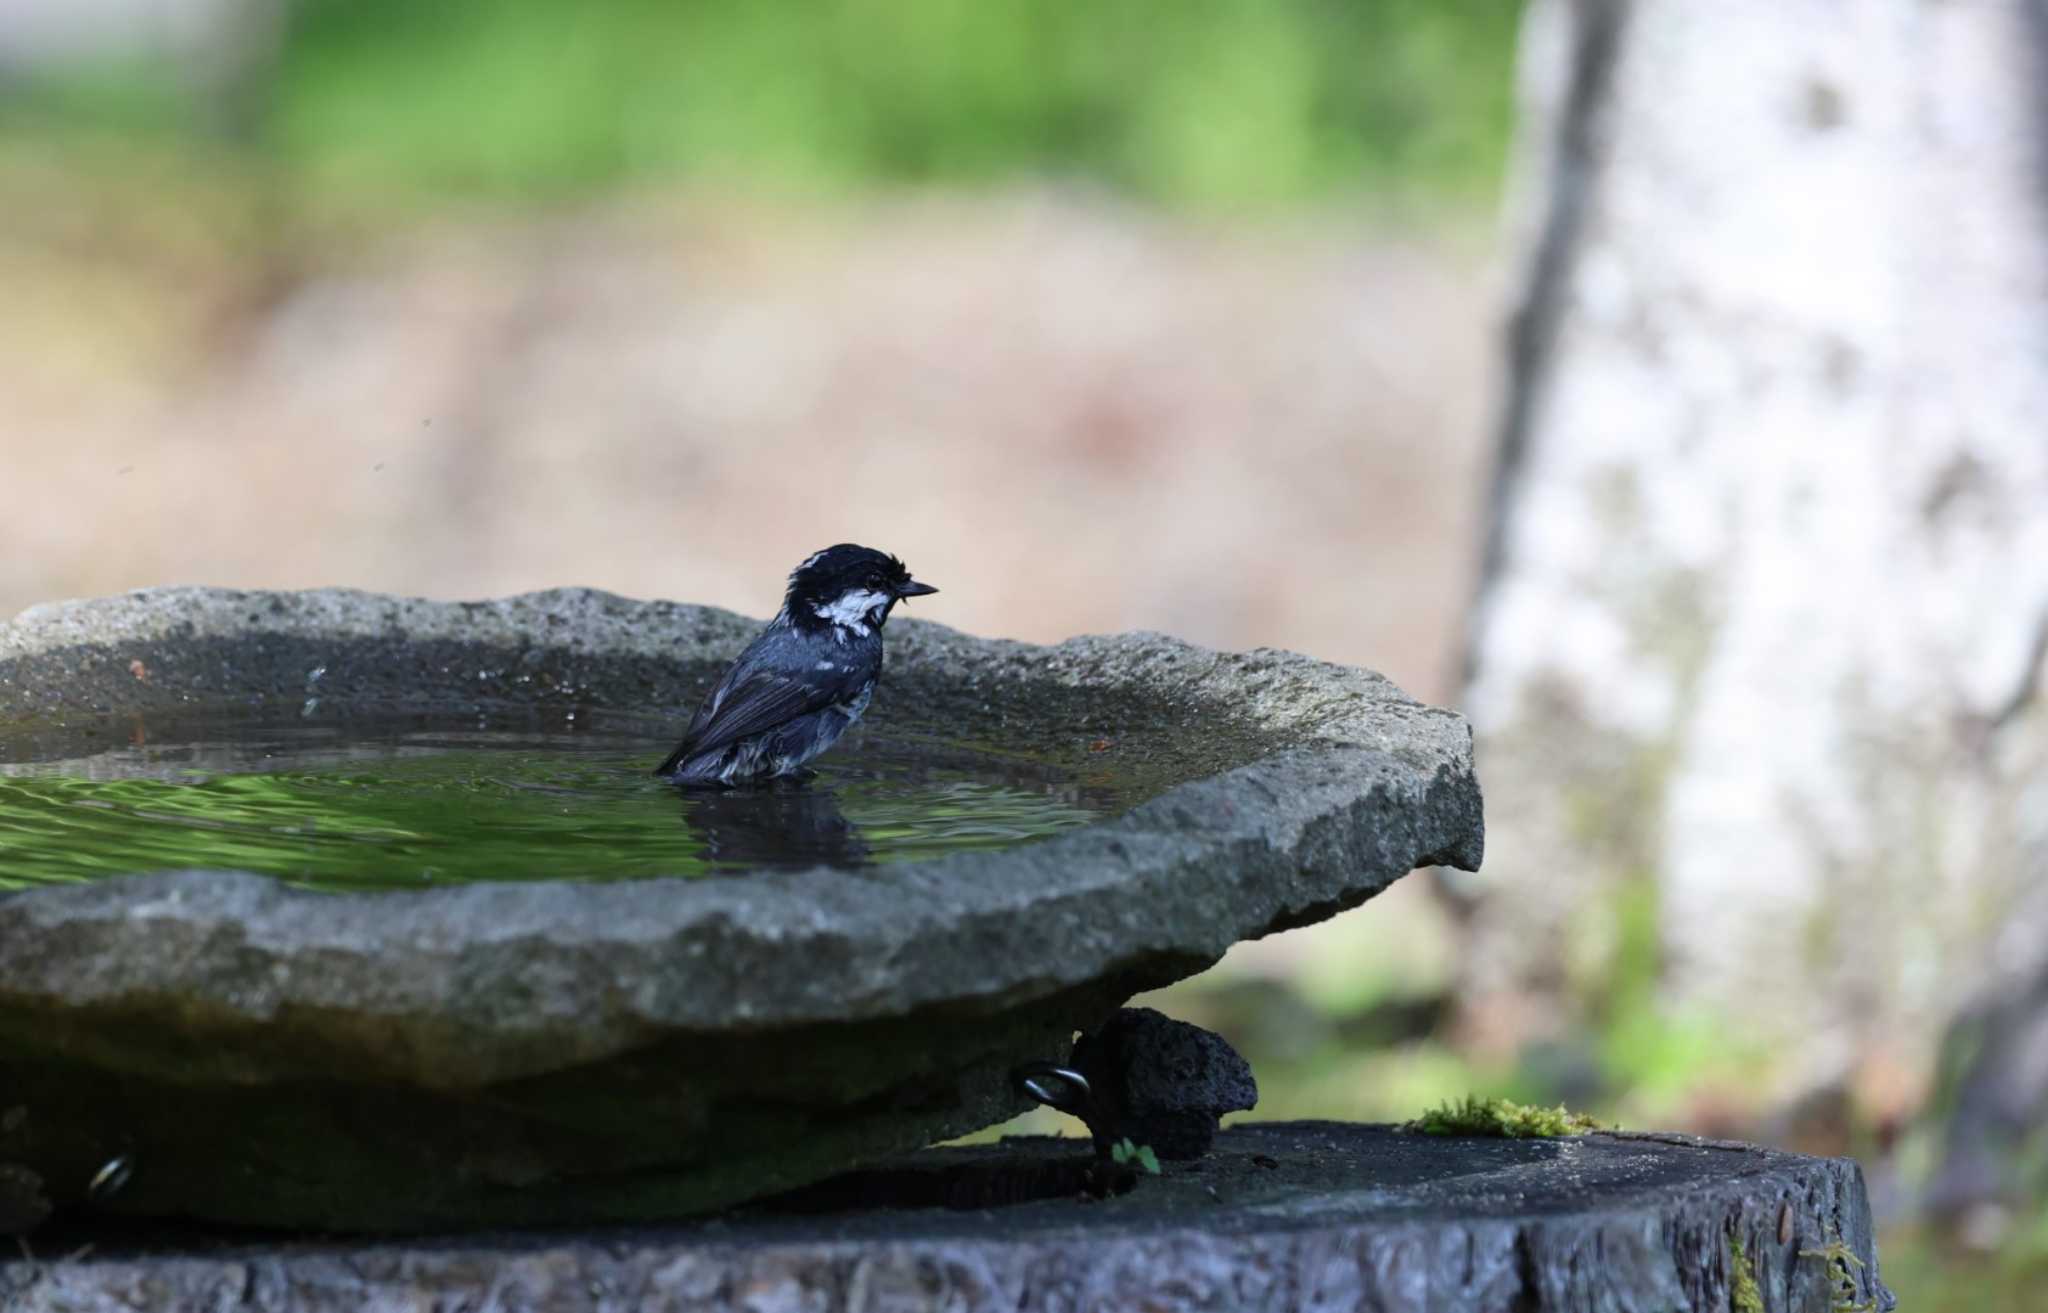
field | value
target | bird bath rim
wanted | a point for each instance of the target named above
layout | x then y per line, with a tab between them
1317	746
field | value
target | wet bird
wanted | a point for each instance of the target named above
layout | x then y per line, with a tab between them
804	678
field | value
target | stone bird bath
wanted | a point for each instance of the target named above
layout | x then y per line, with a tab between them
217	1045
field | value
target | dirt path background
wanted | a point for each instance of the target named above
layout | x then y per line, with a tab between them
1074	417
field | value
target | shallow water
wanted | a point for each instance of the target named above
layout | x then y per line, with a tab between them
405	805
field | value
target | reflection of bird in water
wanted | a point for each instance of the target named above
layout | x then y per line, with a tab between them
780	825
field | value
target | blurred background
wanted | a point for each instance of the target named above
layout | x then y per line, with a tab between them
1661	383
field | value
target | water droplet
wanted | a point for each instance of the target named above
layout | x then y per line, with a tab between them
107	1182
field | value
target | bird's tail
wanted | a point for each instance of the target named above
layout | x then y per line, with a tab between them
675	760
686	765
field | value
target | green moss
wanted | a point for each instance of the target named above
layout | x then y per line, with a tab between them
1743	1295
1843	1265
1504	1118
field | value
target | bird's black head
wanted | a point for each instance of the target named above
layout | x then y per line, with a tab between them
849	587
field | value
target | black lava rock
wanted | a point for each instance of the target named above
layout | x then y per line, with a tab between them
1160	1082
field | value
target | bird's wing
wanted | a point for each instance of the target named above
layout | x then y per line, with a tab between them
750	698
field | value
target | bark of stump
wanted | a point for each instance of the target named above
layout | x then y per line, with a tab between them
1282	1216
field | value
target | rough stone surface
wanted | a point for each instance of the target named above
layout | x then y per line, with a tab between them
1160	1082
1284	1217
598	1051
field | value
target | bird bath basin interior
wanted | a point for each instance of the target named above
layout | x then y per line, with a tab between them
461	1010
341	802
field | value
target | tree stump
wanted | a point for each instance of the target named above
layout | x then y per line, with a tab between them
1282	1216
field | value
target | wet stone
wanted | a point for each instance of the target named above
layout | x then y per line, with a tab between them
575	1050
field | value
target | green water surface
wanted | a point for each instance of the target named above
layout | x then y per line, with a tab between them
404	806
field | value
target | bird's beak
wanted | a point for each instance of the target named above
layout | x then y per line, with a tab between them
915	589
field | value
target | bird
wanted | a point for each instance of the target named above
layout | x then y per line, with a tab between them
804	678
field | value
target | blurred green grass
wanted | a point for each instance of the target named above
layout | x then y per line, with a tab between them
1927	1272
1194	103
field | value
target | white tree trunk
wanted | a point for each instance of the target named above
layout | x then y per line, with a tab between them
1762	625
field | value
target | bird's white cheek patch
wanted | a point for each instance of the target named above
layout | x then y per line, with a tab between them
851	609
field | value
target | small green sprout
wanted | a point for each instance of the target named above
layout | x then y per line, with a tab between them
1137	1155
1843	1266
1503	1117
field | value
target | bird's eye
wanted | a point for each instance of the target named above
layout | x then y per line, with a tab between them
875	582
